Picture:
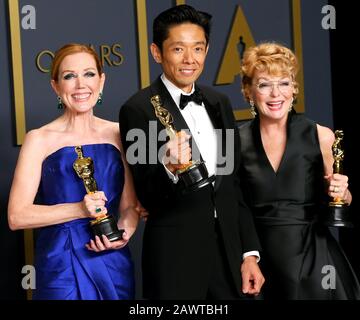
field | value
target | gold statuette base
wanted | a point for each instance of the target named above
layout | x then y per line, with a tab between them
106	226
194	177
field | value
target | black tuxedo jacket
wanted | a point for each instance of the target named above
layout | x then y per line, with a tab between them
179	236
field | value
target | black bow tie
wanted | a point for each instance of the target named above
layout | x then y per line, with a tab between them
196	97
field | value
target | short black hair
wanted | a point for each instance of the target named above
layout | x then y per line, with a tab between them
178	15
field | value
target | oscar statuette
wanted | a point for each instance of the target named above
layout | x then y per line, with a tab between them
193	175
338	215
103	224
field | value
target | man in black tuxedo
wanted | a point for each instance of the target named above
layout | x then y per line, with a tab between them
200	244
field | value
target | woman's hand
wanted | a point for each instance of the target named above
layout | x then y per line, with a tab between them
104	244
94	204
128	221
338	187
143	214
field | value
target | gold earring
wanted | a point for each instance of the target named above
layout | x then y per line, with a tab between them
252	108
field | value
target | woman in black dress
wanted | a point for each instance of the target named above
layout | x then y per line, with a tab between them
287	171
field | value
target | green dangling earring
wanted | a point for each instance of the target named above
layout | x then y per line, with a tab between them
100	99
60	104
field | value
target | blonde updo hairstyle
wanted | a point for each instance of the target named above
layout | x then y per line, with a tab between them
271	58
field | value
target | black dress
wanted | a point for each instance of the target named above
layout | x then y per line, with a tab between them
300	258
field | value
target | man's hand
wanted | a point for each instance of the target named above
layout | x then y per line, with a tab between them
252	278
178	152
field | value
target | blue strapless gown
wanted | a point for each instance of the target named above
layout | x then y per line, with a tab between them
65	268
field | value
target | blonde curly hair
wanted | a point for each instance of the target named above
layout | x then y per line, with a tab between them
269	57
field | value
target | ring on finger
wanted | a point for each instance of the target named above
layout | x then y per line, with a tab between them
336	189
98	209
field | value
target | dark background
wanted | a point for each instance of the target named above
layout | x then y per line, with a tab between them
345	103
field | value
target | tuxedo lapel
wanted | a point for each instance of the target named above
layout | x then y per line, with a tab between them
214	113
214	110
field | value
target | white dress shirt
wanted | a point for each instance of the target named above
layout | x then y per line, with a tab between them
202	131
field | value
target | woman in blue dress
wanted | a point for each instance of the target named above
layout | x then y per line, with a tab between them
69	262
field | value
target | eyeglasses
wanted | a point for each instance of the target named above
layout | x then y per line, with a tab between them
267	87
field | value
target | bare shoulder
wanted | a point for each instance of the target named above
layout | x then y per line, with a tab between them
45	139
111	132
34	144
111	127
115	127
326	137
33	138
